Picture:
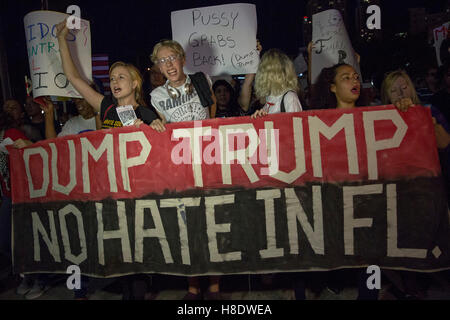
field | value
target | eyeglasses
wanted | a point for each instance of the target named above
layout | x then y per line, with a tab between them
168	59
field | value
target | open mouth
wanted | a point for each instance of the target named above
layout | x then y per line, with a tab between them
172	72
355	90
116	90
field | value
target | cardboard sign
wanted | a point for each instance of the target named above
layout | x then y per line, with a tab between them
218	40
331	43
439	35
47	75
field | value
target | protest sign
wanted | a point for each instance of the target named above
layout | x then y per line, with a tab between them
288	192
439	35
331	43
47	76
218	40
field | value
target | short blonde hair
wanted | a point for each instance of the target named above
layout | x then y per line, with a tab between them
389	79
175	46
135	75
275	75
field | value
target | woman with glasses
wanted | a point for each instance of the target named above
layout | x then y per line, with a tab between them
125	83
182	97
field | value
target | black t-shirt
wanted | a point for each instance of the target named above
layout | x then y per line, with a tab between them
112	120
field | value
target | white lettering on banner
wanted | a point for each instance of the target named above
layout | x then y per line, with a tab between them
157	232
240	154
27	153
392	228
295	212
51	242
194	135
316	126
212	229
87	149
268	196
350	223
230	143
72	169
71	209
295	216
369	118
125	162
121	233
181	204
300	162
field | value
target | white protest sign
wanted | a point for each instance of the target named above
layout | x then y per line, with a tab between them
47	75
439	35
218	40
331	43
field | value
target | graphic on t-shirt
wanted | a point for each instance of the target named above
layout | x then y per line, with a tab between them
126	114
185	108
188	112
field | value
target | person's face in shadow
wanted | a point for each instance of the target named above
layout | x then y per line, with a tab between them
223	97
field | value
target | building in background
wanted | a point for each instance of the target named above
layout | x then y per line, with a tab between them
422	23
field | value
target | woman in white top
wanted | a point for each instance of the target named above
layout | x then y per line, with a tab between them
276	82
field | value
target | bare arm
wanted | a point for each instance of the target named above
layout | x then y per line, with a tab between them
98	122
48	108
246	92
92	97
245	96
213	107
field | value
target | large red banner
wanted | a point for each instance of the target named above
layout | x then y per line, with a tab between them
369	143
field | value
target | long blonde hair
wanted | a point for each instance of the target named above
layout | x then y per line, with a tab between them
389	79
275	75
135	75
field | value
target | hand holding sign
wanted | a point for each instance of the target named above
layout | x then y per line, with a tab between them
61	29
42	29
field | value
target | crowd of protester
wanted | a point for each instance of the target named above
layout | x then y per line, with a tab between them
273	89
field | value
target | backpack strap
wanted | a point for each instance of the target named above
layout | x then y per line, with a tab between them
282	108
203	89
106	112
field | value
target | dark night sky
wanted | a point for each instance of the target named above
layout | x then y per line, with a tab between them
127	30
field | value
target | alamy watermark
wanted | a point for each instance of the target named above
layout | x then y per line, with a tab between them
374	21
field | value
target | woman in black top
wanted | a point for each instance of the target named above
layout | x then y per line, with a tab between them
125	83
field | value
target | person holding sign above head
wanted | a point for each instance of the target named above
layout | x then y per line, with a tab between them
277	83
182	97
228	105
126	107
